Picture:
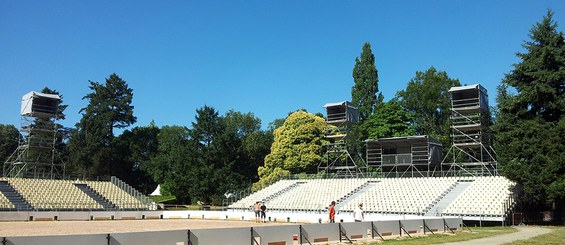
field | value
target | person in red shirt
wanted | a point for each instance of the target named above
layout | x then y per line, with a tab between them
331	210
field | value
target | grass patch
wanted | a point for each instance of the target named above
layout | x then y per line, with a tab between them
162	199
557	236
465	235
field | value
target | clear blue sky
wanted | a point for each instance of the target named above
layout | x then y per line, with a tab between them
265	57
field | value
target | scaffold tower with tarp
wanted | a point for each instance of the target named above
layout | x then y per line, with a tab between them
471	152
34	157
339	157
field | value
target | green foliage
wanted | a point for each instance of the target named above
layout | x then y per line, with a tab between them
61	151
9	136
171	165
109	106
366	84
136	148
297	147
391	120
427	99
530	126
218	155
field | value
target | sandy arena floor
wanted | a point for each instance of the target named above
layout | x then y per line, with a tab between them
41	228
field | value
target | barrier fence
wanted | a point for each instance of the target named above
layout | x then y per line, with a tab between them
264	235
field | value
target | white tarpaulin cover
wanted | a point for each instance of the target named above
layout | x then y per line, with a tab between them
29	98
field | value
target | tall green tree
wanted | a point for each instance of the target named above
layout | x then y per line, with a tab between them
253	143
9	136
530	126
297	148
135	149
391	120
427	98
365	83
173	164
109	107
217	157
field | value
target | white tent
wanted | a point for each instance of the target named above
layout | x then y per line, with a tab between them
157	191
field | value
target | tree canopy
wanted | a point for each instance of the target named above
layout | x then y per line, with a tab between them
109	106
391	120
530	127
427	98
365	83
297	148
9	136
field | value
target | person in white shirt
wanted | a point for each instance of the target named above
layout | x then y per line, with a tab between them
358	214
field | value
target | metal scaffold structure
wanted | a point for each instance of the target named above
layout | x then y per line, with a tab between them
34	156
410	156
471	152
339	158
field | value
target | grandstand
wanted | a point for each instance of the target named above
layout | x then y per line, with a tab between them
489	197
21	194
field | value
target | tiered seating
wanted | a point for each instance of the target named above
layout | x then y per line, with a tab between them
315	194
116	195
485	196
5	203
402	195
262	194
45	194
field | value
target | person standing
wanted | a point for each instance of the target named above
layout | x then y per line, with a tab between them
257	209
331	211
263	212
358	214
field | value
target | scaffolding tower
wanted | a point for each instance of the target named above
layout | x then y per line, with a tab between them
34	156
340	158
471	151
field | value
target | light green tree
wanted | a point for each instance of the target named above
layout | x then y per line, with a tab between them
297	148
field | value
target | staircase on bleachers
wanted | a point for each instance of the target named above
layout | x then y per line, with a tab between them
96	196
266	199
14	197
453	193
353	194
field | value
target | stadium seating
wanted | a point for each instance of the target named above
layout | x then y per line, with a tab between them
490	196
401	195
44	194
65	195
5	204
115	195
263	194
484	196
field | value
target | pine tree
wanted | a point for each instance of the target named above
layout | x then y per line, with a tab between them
530	126
91	142
366	84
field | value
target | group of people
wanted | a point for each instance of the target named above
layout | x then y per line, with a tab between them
358	213
260	212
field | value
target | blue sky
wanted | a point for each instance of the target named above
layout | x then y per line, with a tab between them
265	57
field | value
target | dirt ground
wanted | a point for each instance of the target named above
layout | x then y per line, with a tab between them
41	228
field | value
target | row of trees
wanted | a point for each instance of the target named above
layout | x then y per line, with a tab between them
220	154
